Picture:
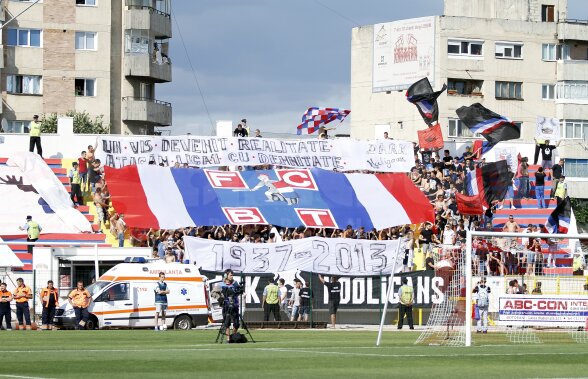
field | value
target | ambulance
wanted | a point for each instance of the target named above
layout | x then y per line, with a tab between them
124	297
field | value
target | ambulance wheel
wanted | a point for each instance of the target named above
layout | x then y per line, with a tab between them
183	322
92	323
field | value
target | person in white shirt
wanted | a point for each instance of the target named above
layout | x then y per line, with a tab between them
448	236
295	300
283	291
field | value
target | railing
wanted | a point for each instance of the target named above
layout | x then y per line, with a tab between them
132	98
575	21
140	4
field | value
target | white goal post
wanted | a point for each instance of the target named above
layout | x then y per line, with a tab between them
469	271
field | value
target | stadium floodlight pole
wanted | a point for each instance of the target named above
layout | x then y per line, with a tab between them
388	292
14	17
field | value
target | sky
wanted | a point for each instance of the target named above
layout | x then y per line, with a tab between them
269	60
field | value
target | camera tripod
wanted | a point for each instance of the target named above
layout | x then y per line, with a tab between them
227	315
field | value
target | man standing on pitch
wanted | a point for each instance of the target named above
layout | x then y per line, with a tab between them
80	299
270	301
21	295
50	300
406	295
334	288
161	290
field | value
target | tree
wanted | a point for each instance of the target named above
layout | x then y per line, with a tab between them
83	123
580	207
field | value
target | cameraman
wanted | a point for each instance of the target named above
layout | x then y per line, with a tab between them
230	290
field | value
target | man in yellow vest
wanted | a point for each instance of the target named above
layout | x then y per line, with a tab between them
560	190
406	295
75	180
35	135
22	294
33	231
271	301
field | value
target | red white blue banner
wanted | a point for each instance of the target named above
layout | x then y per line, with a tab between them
540	310
162	197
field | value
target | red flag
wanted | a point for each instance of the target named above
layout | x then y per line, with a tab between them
431	138
477	149
469	205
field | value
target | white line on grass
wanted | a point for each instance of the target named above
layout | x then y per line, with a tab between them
306	351
20	376
293	350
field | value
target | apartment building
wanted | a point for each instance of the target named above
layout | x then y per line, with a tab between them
103	57
519	58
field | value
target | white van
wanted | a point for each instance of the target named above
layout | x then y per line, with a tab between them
124	297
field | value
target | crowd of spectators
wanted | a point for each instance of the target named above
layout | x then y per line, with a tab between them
439	178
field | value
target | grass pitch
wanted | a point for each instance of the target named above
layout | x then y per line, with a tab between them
277	354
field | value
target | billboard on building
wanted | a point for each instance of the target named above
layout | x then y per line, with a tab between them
404	52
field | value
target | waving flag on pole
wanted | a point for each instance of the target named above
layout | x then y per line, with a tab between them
559	220
315	117
422	95
490	182
481	147
490	125
469	205
431	138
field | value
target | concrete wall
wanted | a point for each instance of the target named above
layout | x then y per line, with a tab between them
522	10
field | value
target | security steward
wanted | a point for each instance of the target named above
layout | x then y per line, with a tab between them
50	300
5	299
80	299
271	301
35	135
406	295
22	293
33	232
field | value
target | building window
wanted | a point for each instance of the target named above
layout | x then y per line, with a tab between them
458	129
547	13
24	37
464	48
86	2
24	84
576	168
548	91
137	41
85	87
549	52
509	50
464	87
575	129
509	90
85	41
570	91
16	127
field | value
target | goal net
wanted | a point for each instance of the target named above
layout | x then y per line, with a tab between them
510	288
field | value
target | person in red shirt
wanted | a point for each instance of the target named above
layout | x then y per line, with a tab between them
83	170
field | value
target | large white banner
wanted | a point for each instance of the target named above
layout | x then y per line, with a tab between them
548	128
341	154
540	310
28	187
332	256
404	52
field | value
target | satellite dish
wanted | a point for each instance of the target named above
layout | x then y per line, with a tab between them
4	125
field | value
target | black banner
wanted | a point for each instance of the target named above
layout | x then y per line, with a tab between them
356	293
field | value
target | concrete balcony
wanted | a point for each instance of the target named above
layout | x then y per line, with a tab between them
572	70
572	30
149	111
147	18
565	111
142	65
